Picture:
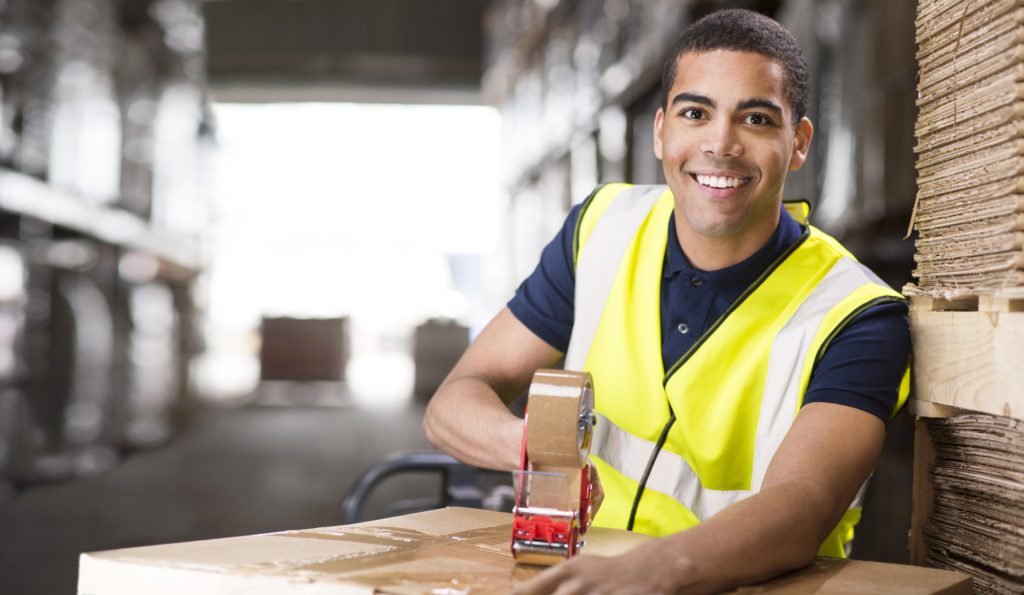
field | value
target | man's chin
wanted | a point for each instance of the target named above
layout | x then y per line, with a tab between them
719	232
716	227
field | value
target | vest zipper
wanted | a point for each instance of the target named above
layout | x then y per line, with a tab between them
650	465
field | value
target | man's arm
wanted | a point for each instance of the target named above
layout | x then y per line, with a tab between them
468	417
815	474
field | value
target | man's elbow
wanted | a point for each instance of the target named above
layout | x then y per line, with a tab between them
805	555
810	519
428	431
430	426
801	548
824	512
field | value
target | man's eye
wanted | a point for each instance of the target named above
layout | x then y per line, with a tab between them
692	113
758	120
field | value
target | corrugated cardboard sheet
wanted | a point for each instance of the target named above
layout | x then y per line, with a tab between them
454	550
450	551
970	146
977	520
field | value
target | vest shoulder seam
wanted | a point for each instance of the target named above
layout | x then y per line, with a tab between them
883	299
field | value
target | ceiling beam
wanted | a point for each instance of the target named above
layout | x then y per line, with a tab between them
386	44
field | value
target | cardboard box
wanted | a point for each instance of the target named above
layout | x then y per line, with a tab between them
450	551
303	349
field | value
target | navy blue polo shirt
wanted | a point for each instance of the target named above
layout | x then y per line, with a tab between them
862	366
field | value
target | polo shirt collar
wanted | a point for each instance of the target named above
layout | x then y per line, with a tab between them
733	280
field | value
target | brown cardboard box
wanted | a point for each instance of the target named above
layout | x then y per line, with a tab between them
450	551
303	349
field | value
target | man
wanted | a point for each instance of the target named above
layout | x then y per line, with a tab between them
744	364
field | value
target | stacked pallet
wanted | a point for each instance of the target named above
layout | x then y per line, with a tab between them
970	146
977	519
969	447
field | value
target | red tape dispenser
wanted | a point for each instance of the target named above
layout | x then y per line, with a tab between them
552	506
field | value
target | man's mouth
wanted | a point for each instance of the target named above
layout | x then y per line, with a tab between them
719	181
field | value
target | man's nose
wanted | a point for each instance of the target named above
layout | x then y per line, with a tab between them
721	140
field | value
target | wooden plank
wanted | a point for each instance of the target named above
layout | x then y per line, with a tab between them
971	360
930	304
922	494
1000	303
921	408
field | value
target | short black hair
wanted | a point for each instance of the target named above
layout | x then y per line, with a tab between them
744	31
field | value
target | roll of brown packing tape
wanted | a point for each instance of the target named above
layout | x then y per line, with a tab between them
560	407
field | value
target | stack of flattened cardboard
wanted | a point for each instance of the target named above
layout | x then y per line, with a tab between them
970	146
977	521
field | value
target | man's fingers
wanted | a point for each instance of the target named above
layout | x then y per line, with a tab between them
543	583
573	586
596	492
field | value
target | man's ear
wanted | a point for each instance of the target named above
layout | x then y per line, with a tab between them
801	143
659	121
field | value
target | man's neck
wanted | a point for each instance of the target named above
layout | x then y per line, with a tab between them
711	253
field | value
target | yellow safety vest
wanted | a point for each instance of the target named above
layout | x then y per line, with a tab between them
722	410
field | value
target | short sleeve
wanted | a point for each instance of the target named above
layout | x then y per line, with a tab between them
864	364
544	301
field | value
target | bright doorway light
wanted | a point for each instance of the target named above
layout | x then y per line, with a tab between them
356	210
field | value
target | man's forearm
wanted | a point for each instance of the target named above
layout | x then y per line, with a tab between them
776	530
468	416
468	420
811	481
765	535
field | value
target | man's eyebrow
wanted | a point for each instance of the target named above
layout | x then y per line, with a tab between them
762	103
745	104
694	98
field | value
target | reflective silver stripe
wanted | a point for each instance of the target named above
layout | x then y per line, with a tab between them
858	500
671	475
598	263
789	351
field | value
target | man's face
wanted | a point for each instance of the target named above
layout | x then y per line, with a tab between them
726	140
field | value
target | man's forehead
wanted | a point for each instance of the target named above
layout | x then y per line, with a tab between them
728	75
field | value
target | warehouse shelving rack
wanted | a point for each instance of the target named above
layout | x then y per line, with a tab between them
104	130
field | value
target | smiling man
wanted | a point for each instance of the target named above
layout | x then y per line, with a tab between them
744	363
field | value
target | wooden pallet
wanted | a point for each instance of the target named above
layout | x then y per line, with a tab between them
968	357
923	497
969	352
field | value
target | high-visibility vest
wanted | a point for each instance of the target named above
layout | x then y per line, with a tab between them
722	410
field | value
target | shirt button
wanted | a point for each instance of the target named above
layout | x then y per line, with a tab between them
696	281
682	328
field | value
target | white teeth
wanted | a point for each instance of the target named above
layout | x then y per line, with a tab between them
719	181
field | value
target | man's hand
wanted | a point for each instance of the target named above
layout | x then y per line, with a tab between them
596	493
643	570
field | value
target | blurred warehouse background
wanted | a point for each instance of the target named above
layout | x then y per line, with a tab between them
242	241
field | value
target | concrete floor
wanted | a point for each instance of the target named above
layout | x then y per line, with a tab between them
230	472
